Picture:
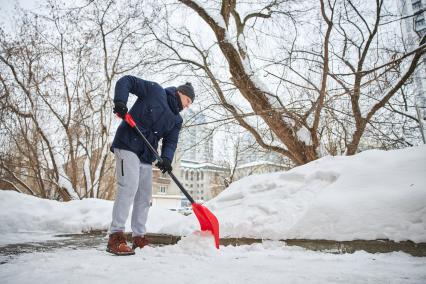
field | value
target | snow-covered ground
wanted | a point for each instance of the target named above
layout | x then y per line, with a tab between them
372	195
195	260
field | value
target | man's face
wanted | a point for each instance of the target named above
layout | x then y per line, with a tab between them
186	101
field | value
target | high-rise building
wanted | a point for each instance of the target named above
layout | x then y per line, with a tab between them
196	138
192	165
413	13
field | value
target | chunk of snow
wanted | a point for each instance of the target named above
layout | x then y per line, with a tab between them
304	135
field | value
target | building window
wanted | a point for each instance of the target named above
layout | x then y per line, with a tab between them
202	175
417	4
420	21
163	189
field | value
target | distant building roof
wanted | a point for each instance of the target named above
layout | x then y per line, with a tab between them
197	165
260	163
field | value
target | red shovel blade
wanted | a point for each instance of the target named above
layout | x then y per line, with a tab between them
208	221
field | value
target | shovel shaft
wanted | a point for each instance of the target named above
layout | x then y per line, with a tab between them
174	178
129	119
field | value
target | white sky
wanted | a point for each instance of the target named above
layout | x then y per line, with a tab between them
9	4
7	7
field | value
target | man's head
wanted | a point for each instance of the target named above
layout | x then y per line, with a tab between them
186	94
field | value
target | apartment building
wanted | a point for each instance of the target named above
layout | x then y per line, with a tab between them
413	14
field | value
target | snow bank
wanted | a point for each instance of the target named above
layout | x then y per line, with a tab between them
372	195
28	218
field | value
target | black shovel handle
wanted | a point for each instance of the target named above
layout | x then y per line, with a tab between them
129	119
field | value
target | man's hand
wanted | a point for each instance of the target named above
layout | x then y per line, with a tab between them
120	109
165	165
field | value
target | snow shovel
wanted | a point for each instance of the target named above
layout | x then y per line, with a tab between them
208	221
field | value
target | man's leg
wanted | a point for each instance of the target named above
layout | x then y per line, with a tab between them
142	200
127	171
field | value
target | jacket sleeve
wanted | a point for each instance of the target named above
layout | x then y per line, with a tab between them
170	142
130	84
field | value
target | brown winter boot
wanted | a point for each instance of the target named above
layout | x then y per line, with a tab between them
117	244
139	242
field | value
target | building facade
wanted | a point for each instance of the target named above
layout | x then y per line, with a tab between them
192	165
165	193
413	13
203	181
196	138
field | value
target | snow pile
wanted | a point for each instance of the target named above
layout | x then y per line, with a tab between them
28	218
372	195
197	243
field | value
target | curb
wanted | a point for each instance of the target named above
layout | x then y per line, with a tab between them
338	247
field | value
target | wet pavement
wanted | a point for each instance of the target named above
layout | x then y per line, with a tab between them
93	240
96	240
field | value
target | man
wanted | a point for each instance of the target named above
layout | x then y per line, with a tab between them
156	113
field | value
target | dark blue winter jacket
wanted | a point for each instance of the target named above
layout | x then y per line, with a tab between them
156	113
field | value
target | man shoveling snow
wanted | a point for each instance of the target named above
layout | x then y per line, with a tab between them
156	114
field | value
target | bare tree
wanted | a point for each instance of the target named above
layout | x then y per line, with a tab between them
57	75
333	65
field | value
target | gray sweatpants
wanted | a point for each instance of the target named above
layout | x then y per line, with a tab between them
134	185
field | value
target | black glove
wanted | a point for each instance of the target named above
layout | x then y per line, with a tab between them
165	165
120	108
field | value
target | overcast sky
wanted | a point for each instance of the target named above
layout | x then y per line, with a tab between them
6	10
7	5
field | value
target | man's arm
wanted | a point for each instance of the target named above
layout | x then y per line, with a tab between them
130	84
170	142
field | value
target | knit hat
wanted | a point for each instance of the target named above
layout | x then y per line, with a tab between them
187	90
